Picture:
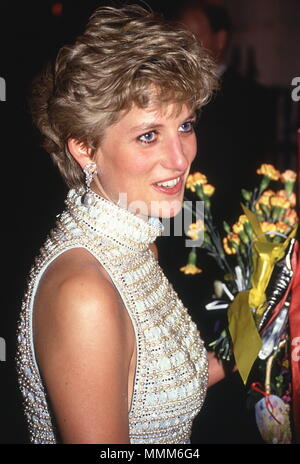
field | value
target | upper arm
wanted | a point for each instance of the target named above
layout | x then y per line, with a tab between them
153	248
216	370
84	355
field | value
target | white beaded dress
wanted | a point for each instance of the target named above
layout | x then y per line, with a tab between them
172	370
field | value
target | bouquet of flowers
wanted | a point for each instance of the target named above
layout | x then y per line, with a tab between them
258	256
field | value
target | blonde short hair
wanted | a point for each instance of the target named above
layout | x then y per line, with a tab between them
121	55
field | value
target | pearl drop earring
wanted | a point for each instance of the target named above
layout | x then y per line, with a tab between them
90	171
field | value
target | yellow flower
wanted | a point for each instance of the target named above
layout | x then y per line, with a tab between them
190	269
229	250
234	238
237	227
243	219
288	176
291	199
246	225
269	193
195	179
291	217
195	228
192	233
258	209
229	242
199	178
264	199
208	189
269	171
279	201
190	183
268	227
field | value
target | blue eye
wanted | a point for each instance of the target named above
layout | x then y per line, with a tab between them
187	126
149	137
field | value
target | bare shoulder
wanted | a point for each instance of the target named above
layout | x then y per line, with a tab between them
83	337
72	264
75	288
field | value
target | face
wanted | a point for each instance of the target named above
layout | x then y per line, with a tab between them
146	156
196	22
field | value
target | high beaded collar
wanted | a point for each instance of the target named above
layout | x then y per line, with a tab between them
101	218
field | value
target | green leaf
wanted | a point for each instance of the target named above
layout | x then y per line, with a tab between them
226	227
246	194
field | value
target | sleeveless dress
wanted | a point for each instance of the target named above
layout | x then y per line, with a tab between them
172	369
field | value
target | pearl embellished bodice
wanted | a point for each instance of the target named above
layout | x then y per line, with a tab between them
171	370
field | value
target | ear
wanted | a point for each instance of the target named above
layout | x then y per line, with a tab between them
80	152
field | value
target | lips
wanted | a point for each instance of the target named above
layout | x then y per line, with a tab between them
169	183
170	186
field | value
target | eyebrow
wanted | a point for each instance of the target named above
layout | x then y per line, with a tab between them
145	127
148	125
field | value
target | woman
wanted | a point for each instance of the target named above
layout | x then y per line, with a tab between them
106	351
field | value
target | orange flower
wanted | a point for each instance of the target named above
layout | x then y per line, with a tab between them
234	238
208	189
258	209
199	178
282	227
243	219
230	243
291	217
237	227
269	171
190	182
228	249
268	227
190	269
288	176
291	199
264	199
277	200
195	179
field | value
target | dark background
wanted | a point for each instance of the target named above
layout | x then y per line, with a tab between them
33	192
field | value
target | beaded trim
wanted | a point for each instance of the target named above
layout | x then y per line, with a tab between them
101	217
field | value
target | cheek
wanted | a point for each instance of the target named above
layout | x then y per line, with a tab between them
191	148
133	165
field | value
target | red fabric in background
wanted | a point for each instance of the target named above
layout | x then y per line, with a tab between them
294	320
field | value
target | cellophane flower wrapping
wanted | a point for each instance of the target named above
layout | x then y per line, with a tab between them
258	257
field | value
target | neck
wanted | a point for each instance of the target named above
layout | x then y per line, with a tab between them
97	188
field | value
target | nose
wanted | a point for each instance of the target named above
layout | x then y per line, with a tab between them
175	156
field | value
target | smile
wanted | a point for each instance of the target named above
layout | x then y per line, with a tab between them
169	187
169	183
